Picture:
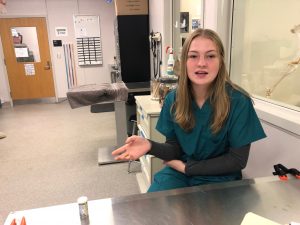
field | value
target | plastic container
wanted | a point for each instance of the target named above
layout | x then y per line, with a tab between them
154	87
83	207
171	61
167	84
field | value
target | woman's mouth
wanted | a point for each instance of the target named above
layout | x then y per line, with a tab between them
201	73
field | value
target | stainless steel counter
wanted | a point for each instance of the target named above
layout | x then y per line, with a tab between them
222	204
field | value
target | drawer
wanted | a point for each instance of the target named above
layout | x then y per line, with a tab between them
143	121
146	127
141	132
146	169
144	162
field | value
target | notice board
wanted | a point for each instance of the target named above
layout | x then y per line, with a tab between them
88	39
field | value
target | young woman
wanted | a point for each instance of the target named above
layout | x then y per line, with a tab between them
209	122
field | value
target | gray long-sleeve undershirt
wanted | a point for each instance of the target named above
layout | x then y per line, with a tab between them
233	161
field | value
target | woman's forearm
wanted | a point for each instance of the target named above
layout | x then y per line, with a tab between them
166	151
235	160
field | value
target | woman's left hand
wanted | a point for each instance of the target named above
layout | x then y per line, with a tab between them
176	165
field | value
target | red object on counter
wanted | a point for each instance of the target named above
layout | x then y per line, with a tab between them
23	221
13	222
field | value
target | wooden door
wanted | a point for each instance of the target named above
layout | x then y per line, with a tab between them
27	57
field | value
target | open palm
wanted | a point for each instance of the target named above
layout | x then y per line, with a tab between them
134	148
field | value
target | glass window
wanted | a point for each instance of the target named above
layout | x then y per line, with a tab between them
265	54
26	44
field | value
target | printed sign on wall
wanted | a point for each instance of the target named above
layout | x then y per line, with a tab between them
131	7
88	39
61	31
29	69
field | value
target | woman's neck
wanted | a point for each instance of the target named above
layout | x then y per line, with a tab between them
200	95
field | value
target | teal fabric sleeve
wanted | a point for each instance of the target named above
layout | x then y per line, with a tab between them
244	125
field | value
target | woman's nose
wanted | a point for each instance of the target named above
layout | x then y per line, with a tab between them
202	61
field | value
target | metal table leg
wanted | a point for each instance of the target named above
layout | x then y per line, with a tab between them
104	153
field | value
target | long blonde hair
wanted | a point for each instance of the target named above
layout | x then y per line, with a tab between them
218	95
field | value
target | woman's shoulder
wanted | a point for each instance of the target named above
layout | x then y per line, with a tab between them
237	93
238	97
171	96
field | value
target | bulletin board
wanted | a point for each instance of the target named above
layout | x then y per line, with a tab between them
88	39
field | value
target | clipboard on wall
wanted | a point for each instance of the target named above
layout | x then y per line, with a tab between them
88	39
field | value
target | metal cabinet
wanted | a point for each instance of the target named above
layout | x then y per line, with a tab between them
132	46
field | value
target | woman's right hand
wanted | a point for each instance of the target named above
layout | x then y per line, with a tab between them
134	148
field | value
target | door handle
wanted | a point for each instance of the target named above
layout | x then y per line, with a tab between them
48	66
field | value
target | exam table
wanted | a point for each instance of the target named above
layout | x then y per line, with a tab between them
116	93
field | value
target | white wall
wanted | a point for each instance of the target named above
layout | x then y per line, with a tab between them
4	86
217	16
195	10
210	14
160	19
279	147
60	13
194	7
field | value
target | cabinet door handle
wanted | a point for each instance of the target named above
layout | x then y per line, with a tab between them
48	66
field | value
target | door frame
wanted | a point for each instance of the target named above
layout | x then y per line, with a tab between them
5	75
47	100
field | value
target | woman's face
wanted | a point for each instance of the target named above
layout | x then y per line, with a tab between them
203	62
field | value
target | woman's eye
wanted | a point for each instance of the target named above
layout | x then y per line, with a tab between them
192	56
211	56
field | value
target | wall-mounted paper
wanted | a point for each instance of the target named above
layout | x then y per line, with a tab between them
21	52
196	23
88	40
29	69
86	26
61	31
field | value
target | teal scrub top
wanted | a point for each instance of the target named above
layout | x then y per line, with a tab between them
242	127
